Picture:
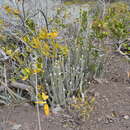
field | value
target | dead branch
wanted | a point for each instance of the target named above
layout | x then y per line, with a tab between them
16	85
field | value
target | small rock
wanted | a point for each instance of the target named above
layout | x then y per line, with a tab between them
109	120
99	119
16	127
97	94
56	109
126	117
26	105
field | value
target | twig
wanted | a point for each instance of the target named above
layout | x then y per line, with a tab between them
13	94
5	77
46	22
37	105
16	85
104	7
23	9
5	57
33	15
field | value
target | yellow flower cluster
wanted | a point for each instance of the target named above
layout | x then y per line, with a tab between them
40	41
43	34
42	99
10	10
52	35
29	71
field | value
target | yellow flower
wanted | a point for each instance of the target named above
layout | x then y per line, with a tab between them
37	70
40	102
16	12
25	77
52	35
42	34
46	109
44	96
10	10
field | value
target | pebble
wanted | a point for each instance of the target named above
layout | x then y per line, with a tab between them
16	127
56	110
97	94
126	117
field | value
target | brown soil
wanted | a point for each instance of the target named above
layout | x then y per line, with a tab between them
111	111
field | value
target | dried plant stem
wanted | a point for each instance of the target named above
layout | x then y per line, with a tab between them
23	9
37	105
5	78
45	18
104	8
